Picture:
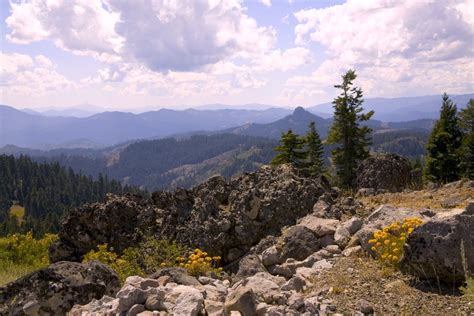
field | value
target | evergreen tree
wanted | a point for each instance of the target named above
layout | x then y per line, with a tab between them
314	163
466	117
466	122
352	140
290	150
442	161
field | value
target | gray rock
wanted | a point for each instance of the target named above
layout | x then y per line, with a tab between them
177	275
214	308
155	301
342	237
298	242
57	288
242	300
443	247
353	225
189	302
387	172
271	256
320	226
248	266
135	310
129	296
294	284
365	307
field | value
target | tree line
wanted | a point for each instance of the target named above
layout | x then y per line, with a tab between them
450	148
46	191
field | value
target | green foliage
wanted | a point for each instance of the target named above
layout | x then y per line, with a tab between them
351	138
153	254
149	256
443	159
124	265
314	163
46	191
21	254
290	150
466	117
467	156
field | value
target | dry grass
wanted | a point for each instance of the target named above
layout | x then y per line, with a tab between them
389	291
433	199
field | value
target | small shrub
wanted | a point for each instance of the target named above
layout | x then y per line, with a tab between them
153	254
121	264
468	290
388	242
199	263
21	254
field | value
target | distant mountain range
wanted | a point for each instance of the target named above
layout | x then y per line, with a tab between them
402	109
23	129
43	131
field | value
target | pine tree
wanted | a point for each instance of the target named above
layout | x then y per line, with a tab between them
314	163
466	122
290	150
466	117
442	161
352	139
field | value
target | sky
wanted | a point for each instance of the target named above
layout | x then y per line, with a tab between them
120	54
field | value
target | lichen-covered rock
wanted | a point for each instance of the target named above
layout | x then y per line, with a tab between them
385	172
443	247
297	242
56	289
225	218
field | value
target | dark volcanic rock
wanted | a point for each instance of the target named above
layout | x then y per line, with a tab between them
442	248
386	172
223	217
55	289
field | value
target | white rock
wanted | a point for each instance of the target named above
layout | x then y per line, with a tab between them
189	303
353	225
342	237
270	256
320	226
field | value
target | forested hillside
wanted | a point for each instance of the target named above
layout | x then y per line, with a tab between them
33	196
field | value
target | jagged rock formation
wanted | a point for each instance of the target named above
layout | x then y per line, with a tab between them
386	172
55	289
224	217
442	248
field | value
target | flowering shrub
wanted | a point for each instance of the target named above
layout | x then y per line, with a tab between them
124	265
199	263
388	242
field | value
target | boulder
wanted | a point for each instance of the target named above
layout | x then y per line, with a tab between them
57	288
320	226
189	302
242	300
385	172
342	237
443	247
298	242
176	275
248	266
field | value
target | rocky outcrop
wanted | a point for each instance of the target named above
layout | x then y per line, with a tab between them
386	172
443	247
224	217
55	289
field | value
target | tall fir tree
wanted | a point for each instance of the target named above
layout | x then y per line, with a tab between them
290	150
466	122
351	138
314	163
443	159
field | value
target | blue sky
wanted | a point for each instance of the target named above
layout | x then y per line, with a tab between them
157	53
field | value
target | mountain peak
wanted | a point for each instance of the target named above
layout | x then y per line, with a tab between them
300	112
